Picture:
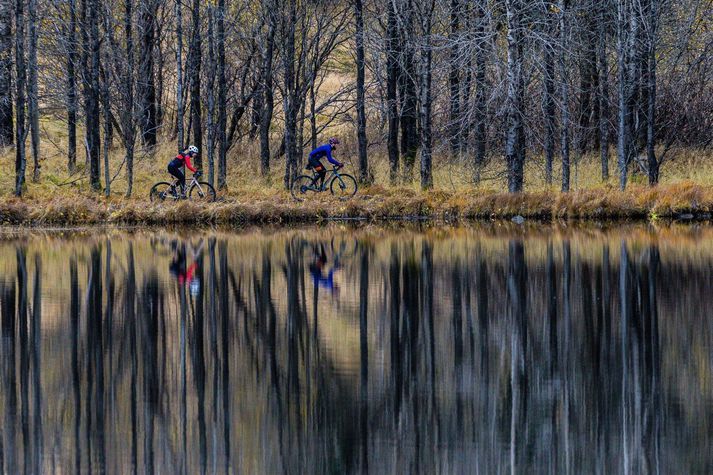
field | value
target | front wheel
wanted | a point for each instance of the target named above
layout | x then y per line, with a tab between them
203	192
301	185
343	186
162	191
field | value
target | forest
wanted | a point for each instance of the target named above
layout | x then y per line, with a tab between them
508	94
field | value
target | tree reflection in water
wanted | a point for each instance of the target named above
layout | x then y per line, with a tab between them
449	351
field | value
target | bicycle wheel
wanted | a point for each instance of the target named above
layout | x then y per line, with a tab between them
301	186
162	191
202	191
343	186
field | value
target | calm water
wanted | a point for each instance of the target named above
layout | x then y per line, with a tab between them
340	350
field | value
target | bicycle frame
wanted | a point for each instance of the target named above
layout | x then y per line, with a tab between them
190	184
331	174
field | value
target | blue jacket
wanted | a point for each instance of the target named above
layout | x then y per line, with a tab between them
324	151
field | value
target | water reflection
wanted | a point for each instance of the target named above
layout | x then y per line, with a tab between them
365	350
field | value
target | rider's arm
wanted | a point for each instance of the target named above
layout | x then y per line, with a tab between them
331	159
187	159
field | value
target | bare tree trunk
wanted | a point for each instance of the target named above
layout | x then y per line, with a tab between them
513	147
480	98
603	94
93	119
32	90
624	137
652	32
179	75
210	93
312	115
549	104
84	70
20	100
129	129
364	175
454	79
256	104
194	71
222	98
159	62
267	89
391	99
72	97
564	93
147	82
299	140
6	116
589	80
467	88
106	106
409	95
290	100
427	98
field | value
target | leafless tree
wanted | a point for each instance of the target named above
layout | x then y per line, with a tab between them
6	114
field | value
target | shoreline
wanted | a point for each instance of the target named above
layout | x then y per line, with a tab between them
681	201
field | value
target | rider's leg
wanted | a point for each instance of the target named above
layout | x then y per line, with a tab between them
321	173
175	171
181	181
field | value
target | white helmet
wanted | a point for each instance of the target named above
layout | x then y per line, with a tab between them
193	149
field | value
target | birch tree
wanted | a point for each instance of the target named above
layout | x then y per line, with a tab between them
179	74
128	108
426	13
20	97
564	92
194	72
289	92
222	96
72	95
514	150
32	89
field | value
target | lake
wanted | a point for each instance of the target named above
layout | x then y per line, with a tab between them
353	349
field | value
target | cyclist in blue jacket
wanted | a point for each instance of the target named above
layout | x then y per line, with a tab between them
324	151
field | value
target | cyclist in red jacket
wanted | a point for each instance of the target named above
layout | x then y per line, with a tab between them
174	167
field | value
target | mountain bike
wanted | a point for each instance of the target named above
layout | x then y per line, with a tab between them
197	191
341	185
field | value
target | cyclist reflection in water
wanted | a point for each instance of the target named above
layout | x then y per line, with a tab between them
317	269
185	274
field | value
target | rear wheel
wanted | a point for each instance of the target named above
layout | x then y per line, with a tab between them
161	192
302	185
343	186
202	192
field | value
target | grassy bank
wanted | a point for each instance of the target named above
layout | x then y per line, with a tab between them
59	198
604	203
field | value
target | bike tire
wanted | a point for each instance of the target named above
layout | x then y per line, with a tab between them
161	191
203	193
300	186
343	186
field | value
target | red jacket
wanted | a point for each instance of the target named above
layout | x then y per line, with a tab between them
188	276
186	160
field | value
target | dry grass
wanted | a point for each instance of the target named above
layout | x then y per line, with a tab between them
60	198
639	202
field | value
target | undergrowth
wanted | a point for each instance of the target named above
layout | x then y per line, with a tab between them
374	203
